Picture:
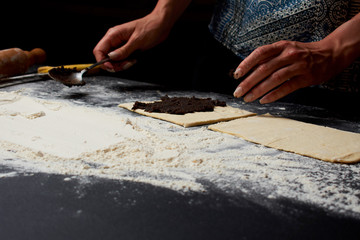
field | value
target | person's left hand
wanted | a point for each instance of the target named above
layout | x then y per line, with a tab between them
275	70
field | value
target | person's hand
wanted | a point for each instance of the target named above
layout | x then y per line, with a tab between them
121	41
275	70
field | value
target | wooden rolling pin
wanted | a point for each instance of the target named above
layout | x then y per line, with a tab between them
15	61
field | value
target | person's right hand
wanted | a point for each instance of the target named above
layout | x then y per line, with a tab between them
121	41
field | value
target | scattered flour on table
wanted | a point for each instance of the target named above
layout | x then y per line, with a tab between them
61	138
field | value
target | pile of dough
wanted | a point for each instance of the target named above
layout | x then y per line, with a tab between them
311	140
195	119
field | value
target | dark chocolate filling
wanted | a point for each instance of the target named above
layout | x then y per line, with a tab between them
180	105
62	74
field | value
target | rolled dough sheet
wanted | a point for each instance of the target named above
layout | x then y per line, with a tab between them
195	119
324	143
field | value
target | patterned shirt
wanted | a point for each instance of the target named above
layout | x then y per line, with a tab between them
244	25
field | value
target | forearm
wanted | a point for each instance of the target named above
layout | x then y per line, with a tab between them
345	43
170	10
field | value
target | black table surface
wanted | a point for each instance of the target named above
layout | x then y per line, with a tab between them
44	206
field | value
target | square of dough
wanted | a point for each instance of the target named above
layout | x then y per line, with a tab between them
324	143
195	119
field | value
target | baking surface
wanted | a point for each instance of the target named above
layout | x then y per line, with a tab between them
259	192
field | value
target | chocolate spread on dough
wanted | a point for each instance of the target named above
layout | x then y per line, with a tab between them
180	105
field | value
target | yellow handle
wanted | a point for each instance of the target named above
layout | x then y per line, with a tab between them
79	67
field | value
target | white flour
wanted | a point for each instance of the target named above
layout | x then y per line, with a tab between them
56	137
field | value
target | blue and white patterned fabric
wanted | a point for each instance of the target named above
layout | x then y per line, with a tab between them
244	25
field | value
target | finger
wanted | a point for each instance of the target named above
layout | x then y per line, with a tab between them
116	55
255	58
285	89
123	52
103	47
99	52
274	80
121	66
259	74
113	38
108	66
